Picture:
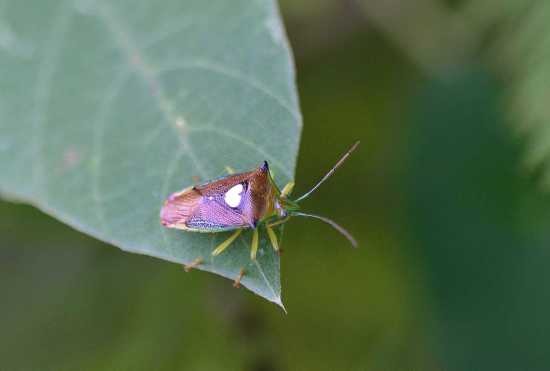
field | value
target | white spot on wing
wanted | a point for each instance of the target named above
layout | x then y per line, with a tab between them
233	196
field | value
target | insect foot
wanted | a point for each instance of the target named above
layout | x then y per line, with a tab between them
194	264
237	282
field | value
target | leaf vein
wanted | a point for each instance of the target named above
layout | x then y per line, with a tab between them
137	60
97	144
43	87
212	66
248	143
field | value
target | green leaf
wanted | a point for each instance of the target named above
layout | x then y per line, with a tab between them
107	107
519	32
526	44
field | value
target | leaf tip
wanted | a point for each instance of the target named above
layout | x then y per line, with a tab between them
278	300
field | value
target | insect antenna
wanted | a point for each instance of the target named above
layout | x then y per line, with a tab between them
339	228
331	171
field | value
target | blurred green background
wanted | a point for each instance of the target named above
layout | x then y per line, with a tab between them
454	227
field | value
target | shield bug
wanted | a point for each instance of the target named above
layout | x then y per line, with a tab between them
249	200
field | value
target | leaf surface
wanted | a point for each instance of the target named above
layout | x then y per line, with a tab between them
107	107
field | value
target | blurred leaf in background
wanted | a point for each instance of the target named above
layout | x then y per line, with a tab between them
466	209
522	52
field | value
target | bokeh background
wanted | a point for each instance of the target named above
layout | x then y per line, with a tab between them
447	195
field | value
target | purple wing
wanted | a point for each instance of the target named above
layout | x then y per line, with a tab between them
204	208
212	213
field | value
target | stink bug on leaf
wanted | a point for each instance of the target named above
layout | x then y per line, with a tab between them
241	201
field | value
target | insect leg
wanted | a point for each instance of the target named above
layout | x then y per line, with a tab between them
194	264
279	222
222	246
272	238
237	282
287	189
254	245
